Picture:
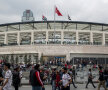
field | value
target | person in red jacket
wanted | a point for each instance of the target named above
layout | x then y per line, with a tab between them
35	79
57	80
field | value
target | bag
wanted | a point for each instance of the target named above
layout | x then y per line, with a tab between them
43	88
60	83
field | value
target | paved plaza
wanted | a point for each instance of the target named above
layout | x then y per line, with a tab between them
48	87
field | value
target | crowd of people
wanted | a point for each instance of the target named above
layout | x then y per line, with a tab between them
61	78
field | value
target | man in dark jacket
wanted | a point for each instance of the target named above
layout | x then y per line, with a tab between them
53	79
1	75
42	76
101	79
35	79
90	77
16	78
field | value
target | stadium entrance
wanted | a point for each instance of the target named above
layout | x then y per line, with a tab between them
89	60
54	59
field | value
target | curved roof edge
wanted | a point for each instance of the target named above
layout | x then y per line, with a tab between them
79	22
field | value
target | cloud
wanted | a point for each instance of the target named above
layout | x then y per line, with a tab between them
79	10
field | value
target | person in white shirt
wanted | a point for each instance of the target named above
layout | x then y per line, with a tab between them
7	78
66	80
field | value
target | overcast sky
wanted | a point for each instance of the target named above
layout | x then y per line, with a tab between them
79	10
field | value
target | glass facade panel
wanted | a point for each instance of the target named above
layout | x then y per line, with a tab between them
26	26
57	26
13	28
105	28
39	37
38	26
25	38
54	38
69	38
3	28
2	38
96	27
12	38
106	39
84	38
69	26
97	38
83	26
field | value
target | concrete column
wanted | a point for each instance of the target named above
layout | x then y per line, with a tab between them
32	60
46	37
62	37
39	56
68	57
18	38
77	37
103	39
5	39
32	37
91	37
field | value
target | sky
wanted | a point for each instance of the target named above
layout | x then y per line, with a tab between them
79	10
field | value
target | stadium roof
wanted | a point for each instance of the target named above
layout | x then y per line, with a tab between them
75	25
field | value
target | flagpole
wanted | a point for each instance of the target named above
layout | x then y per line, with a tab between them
54	21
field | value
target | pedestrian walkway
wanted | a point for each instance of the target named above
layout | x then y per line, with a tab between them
82	75
48	87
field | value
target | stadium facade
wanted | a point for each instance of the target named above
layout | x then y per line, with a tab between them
70	41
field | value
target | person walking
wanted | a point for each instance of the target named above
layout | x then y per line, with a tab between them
53	79
101	78
16	78
90	77
43	76
57	80
106	76
35	79
7	80
74	73
66	80
1	75
71	74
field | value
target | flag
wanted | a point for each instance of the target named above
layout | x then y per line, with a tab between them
44	18
69	17
58	12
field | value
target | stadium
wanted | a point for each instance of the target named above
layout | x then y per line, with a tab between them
34	41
